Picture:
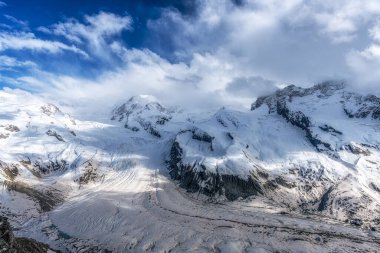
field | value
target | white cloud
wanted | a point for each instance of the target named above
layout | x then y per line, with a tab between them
363	65
340	20
2	4
372	52
198	85
28	41
375	32
21	23
225	54
251	86
294	41
96	32
6	61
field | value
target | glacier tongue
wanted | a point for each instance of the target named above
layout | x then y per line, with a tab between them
299	173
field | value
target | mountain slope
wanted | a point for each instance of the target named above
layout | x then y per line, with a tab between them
301	165
301	148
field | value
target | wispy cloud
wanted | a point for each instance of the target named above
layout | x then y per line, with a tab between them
5	26
6	61
20	23
28	41
2	4
96	33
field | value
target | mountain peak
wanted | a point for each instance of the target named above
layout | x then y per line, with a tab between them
143	99
322	90
138	105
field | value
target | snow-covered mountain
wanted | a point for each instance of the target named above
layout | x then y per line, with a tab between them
311	150
299	172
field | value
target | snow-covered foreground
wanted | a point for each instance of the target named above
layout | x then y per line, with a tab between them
300	180
140	210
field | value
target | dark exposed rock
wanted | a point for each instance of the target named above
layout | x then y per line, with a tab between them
262	174
374	186
196	178
162	120
300	120
281	181
201	135
350	207
278	182
50	109
175	161
12	128
324	200
4	136
212	185
364	106
317	143
225	118
133	128
221	121
270	185
11	244
10	170
150	129
310	174
90	174
229	135
355	222
356	149
47	199
236	187
330	129
259	102
55	134
50	166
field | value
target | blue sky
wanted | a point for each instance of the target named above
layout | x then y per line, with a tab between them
30	16
200	53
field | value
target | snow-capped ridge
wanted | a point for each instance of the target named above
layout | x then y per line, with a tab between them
302	151
143	113
137	105
50	109
142	99
321	90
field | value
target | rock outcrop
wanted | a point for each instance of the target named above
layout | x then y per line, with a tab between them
11	244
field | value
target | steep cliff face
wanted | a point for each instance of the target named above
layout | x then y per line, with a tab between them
196	175
11	244
316	109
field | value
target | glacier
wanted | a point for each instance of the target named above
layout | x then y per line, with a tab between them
299	172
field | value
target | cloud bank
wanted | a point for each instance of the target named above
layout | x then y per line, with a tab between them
225	53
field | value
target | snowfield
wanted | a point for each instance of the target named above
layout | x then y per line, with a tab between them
298	173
